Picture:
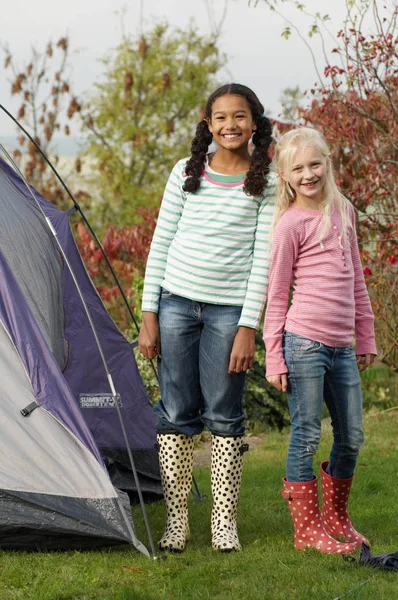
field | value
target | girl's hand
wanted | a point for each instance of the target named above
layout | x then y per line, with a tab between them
364	361
242	354
278	381
149	337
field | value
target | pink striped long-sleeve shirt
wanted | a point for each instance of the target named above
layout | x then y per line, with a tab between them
330	302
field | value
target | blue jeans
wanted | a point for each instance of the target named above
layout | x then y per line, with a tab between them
316	373
196	390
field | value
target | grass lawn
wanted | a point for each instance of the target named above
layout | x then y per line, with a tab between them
267	568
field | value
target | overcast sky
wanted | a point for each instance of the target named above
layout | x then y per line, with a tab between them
257	54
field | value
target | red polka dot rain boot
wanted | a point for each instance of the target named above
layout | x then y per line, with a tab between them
335	495
175	458
226	474
309	532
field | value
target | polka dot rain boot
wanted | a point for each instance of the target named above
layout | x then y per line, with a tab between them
226	474
335	495
309	532
175	458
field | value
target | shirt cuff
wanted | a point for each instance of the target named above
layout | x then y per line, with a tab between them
149	306
275	366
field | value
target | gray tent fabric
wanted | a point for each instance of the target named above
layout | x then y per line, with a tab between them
37	271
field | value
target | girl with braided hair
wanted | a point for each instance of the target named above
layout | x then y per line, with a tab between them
204	293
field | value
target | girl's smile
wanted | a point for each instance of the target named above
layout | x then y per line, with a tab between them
310	184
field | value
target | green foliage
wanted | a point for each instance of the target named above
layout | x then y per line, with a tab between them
265	407
149	377
141	117
379	388
291	100
276	5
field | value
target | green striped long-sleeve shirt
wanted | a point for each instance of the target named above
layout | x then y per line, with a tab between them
212	246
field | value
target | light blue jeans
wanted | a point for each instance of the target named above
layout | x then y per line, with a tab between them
316	373
196	390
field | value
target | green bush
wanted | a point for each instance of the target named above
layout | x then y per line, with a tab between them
379	388
265	407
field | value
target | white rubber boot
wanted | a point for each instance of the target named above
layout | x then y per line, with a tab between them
175	458
226	474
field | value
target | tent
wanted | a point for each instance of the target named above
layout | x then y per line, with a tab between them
59	420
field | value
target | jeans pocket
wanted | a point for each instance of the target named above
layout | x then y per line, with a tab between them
164	294
304	346
348	350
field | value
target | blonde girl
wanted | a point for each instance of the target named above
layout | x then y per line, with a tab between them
309	352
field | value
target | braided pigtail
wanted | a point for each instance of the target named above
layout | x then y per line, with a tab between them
199	147
256	178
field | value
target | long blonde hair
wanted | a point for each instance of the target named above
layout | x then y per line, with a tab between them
285	151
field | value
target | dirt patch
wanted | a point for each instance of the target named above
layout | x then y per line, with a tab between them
202	451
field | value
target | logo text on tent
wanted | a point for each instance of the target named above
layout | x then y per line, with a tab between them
99	400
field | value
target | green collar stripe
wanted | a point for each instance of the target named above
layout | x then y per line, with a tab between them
226	178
